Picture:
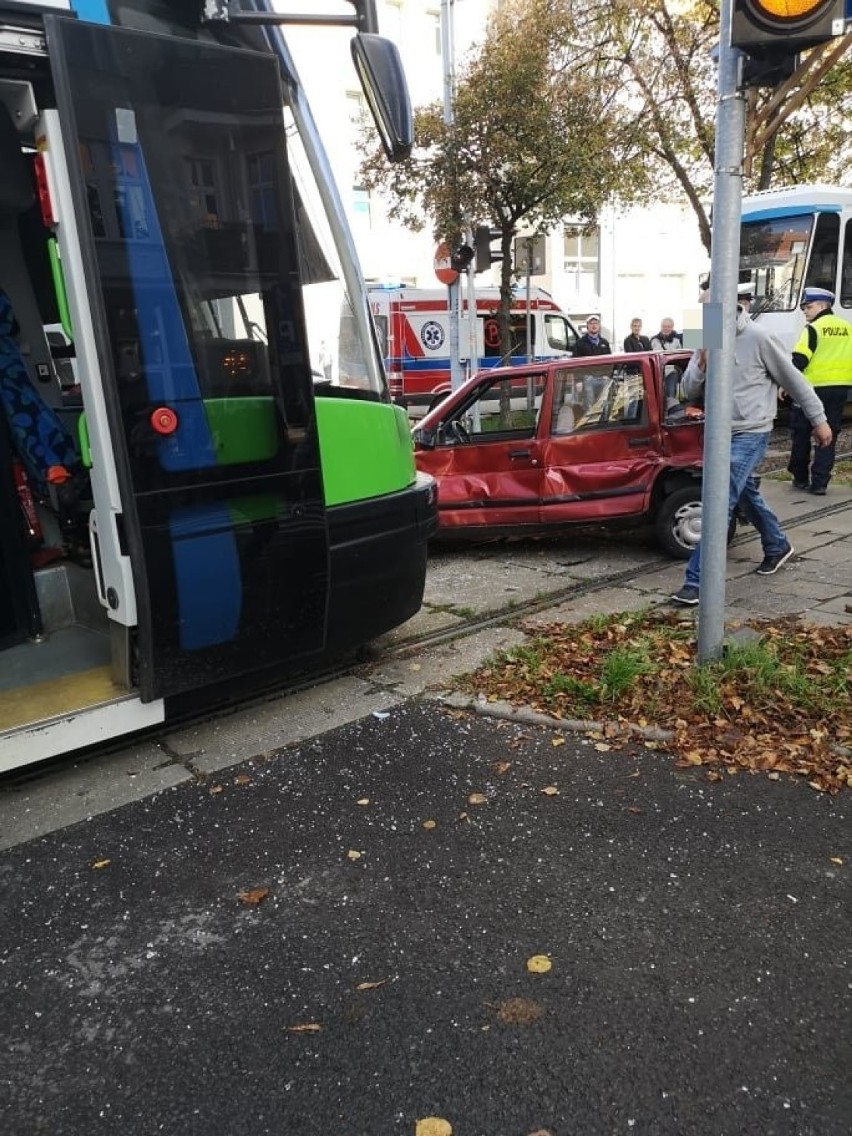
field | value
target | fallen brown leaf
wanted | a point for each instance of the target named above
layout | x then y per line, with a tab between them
519	1012
371	985
308	1027
253	896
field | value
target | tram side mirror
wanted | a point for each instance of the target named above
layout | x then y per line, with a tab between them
382	79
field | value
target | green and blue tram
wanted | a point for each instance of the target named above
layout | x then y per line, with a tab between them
196	496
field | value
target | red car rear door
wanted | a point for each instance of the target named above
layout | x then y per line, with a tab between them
601	447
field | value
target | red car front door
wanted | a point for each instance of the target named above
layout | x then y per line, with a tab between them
487	456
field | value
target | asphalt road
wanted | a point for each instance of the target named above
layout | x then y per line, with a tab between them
698	935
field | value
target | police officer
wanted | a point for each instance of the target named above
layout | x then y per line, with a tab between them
824	354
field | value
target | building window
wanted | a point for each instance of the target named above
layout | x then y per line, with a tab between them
361	202
391	20
262	194
435	18
203	191
356	108
581	253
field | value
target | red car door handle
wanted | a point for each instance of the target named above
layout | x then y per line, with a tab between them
513	454
639	442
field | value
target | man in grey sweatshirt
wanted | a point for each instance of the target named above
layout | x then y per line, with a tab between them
761	366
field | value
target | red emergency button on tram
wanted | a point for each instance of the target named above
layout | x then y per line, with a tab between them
164	420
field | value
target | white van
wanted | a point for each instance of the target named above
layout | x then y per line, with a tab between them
413	329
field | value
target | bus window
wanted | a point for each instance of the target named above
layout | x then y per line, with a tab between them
845	297
822	263
773	250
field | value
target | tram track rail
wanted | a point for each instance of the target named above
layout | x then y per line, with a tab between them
363	662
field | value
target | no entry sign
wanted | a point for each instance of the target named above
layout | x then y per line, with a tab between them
443	269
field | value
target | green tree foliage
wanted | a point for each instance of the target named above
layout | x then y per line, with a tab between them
534	140
570	103
662	52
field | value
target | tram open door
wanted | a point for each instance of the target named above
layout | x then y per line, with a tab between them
217	532
164	183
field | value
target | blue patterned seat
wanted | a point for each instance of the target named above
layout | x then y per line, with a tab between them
41	439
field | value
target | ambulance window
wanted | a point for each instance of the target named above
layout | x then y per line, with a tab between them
558	333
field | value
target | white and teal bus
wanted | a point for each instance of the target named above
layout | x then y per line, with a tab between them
189	507
791	239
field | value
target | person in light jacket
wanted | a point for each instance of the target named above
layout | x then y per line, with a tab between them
761	366
667	339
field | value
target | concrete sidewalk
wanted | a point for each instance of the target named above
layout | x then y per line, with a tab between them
815	584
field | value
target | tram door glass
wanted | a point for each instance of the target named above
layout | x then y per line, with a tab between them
179	153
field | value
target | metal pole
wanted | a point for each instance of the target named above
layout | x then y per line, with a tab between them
448	58
529	301
473	364
720	314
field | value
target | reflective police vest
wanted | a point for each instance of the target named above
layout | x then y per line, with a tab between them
827	345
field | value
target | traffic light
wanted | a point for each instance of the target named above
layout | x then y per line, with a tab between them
460	257
485	255
778	28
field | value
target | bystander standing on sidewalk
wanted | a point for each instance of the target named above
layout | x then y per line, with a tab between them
761	365
667	339
823	354
636	341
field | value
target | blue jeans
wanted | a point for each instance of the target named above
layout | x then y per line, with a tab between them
747	452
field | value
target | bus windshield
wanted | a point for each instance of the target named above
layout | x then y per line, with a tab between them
335	356
773	254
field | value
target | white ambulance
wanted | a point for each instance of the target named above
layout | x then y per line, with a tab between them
414	336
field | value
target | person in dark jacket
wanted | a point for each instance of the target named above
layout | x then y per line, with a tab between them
636	341
592	343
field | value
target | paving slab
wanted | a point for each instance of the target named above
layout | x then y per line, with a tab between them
68	792
220	743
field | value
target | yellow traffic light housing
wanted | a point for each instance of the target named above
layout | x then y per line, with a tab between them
785	27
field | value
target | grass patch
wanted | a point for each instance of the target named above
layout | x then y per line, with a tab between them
780	702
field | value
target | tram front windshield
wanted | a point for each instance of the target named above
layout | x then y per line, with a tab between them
773	254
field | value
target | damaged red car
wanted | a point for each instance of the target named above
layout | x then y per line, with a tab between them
531	450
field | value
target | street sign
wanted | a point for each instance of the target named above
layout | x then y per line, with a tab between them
443	268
